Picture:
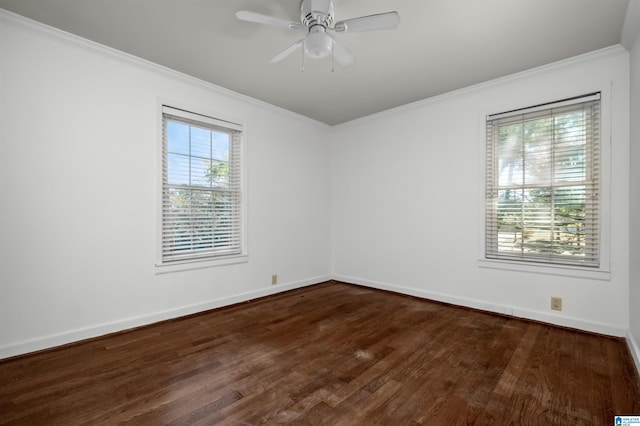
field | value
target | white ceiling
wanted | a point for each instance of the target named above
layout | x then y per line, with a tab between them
440	45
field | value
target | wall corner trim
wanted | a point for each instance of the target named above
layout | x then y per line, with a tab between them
631	24
634	349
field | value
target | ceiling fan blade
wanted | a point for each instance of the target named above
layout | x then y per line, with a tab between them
288	51
342	54
258	18
380	21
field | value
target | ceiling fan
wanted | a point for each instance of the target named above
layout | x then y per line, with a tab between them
316	18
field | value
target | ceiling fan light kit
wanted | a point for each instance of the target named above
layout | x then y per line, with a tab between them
318	45
316	18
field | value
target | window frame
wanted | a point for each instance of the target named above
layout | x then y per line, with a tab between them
601	272
199	261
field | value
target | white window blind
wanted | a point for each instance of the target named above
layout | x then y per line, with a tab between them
201	187
542	183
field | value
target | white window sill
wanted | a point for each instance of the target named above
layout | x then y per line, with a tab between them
189	265
545	269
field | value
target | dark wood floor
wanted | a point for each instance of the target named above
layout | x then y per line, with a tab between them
328	354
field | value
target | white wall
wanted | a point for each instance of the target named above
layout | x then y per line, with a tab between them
633	21
80	129
407	198
79	135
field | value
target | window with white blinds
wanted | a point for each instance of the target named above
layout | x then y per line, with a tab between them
542	183
201	187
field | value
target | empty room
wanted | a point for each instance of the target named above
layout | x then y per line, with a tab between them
252	212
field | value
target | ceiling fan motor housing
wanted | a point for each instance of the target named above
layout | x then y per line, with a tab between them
312	13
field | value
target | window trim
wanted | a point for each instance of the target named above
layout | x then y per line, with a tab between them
603	272
206	116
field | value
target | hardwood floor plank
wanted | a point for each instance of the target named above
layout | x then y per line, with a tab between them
327	354
511	373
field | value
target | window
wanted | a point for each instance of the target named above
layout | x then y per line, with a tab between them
542	184
201	188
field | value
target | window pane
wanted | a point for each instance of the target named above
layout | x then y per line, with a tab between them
201	220
178	169
510	220
218	174
177	137
223	220
200	142
188	220
571	141
570	214
537	220
221	146
177	225
200	172
510	155
538	138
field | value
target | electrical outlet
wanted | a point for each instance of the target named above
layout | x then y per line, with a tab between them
556	303
274	279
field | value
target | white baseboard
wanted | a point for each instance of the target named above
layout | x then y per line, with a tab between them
53	340
634	349
563	321
58	339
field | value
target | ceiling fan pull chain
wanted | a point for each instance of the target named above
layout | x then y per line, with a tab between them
333	62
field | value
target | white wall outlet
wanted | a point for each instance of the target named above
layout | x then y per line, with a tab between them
274	279
556	303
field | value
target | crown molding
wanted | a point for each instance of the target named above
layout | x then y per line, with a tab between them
10	18
604	52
